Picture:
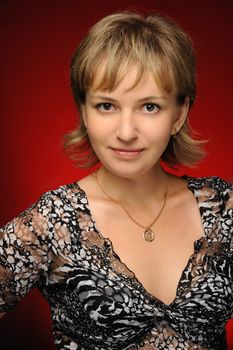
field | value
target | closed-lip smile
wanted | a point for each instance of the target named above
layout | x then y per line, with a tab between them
127	152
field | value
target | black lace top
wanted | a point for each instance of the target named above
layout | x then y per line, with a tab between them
96	301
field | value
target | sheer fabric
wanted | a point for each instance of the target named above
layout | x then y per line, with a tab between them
96	301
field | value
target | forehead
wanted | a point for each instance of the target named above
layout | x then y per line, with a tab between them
127	77
130	83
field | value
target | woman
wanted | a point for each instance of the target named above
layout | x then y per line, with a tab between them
130	257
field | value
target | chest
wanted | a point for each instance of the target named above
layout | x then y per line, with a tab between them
158	265
124	278
101	286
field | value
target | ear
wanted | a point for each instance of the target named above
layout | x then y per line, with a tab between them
181	116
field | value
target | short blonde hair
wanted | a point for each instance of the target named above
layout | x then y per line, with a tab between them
153	44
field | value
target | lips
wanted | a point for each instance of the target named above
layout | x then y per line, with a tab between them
127	152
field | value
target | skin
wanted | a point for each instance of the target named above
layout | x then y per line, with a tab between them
129	129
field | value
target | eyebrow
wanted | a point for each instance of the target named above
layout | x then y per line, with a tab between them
143	99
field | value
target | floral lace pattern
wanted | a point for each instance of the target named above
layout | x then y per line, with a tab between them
96	301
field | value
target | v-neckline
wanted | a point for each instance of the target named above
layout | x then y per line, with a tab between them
196	243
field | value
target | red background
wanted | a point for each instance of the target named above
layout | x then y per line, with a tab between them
37	41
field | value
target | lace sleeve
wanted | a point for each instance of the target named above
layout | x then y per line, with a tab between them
229	202
23	253
228	211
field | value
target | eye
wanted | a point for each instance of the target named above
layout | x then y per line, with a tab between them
150	108
104	107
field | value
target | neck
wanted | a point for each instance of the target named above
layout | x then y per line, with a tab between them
141	189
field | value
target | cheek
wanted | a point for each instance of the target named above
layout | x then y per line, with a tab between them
96	134
160	133
98	129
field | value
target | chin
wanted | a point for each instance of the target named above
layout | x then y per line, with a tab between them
128	171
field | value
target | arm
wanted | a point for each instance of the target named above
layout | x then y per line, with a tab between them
23	253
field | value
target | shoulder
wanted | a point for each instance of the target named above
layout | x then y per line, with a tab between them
213	189
69	194
53	206
212	182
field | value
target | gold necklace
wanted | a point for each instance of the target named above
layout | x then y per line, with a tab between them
148	233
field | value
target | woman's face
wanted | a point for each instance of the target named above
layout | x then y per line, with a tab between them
129	128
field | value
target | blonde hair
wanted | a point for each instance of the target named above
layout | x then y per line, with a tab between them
154	45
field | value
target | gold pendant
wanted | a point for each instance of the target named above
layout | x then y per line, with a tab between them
148	235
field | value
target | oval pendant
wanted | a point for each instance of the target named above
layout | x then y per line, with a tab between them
148	235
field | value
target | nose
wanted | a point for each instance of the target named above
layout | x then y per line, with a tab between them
127	129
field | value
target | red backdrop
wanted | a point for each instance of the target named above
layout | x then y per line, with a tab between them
37	41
